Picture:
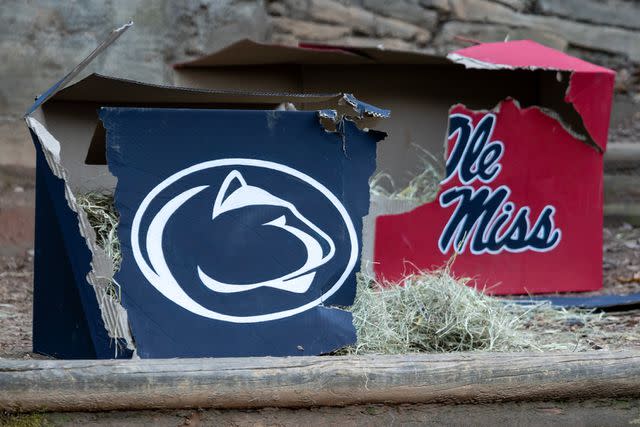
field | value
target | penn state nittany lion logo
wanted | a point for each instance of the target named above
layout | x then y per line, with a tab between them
246	195
210	247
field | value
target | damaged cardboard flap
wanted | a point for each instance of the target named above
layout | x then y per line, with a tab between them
265	165
586	80
518	84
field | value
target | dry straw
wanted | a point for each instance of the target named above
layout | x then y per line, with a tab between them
104	218
434	312
422	187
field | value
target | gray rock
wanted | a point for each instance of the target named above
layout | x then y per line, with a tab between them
447	41
395	28
518	5
204	26
309	31
609	12
277	9
441	5
329	11
406	10
297	9
607	39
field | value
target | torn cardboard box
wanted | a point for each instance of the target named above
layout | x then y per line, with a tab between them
240	218
522	127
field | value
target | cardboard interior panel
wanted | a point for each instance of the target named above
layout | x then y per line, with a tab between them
249	52
280	78
71	116
419	96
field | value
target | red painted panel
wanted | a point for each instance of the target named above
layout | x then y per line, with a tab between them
529	162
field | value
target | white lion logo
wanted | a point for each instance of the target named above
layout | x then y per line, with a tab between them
319	247
245	195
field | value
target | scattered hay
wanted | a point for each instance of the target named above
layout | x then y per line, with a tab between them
433	312
104	218
422	188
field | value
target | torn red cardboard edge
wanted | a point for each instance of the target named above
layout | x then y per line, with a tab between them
528	229
576	95
63	122
568	256
586	79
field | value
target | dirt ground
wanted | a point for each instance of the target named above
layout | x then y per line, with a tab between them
595	413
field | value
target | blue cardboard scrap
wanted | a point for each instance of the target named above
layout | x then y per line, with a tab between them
597	302
240	230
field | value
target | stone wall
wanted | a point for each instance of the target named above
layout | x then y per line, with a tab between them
41	40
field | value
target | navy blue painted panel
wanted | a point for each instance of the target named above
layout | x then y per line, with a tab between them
67	319
59	325
238	229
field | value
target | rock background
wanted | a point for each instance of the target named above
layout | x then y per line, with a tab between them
40	40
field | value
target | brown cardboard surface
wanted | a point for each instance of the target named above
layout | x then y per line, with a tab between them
248	52
71	115
419	97
103	89
418	88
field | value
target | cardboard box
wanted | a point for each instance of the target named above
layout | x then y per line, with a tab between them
240	219
520	207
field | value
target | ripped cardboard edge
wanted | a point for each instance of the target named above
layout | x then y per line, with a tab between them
101	272
365	116
589	84
100	276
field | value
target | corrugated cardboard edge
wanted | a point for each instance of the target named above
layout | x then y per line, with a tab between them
100	277
63	82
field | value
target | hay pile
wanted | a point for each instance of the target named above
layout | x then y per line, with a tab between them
104	218
423	187
432	312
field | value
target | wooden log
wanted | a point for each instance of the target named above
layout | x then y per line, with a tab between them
48	385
